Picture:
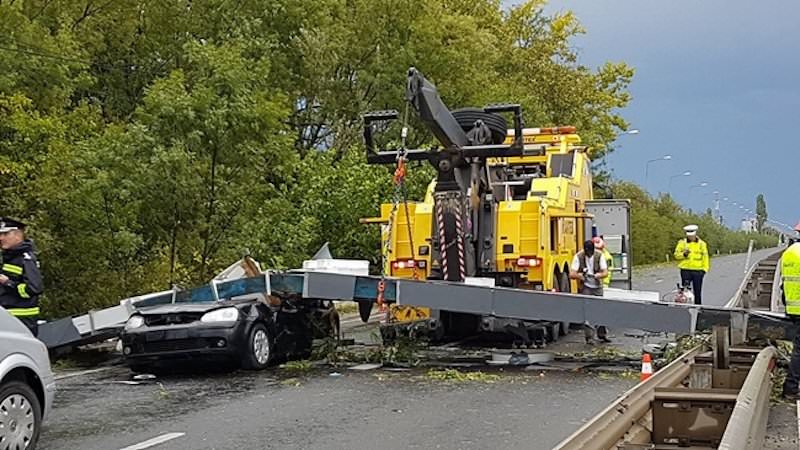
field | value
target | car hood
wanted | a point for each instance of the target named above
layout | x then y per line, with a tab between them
178	308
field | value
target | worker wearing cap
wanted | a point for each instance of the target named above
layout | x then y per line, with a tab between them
600	245
20	279
589	267
693	260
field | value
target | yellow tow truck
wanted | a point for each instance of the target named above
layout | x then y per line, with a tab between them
513	211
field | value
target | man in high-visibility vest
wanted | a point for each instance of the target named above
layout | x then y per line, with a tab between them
790	287
20	279
693	260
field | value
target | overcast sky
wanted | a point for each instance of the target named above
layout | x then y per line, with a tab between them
716	87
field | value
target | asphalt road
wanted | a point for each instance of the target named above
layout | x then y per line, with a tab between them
719	284
363	410
323	408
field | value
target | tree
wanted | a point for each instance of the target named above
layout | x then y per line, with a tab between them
761	212
151	143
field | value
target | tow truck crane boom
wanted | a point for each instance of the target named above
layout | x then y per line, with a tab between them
461	174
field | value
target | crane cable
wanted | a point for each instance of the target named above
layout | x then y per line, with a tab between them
399	180
400	196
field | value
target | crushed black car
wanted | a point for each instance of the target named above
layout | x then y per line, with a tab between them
250	333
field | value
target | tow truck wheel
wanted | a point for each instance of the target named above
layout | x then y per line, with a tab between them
564	284
258	353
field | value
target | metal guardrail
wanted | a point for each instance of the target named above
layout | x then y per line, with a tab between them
748	423
736	300
657	407
628	411
700	400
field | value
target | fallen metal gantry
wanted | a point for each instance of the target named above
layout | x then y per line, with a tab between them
648	315
493	301
702	400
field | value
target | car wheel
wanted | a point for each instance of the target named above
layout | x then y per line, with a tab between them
259	351
20	416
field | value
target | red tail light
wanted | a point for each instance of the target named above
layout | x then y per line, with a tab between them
529	261
408	264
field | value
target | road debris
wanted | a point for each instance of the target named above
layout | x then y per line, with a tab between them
519	358
299	366
163	392
367	366
295	382
144	377
455	375
569	366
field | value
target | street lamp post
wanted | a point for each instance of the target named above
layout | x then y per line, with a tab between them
698	185
688	173
647	168
702	184
607	156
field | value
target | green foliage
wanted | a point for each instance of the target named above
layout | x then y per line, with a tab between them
403	352
297	367
684	344
152	143
657	224
761	212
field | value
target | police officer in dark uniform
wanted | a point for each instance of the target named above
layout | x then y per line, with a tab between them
20	279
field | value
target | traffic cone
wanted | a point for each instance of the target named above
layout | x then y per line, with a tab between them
647	367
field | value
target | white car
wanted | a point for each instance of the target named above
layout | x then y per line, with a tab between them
27	385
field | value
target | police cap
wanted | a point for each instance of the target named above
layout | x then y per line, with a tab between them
690	230
8	224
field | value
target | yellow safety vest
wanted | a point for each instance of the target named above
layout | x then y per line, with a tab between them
610	263
698	258
790	274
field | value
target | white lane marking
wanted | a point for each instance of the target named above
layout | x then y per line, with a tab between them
798	417
82	372
155	441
